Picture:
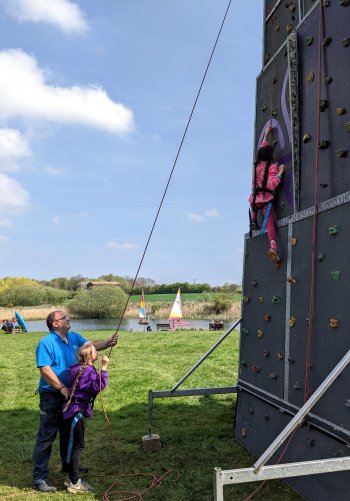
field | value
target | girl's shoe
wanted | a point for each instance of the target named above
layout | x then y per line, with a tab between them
80	486
273	255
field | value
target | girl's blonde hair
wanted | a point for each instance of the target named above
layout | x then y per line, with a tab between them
84	355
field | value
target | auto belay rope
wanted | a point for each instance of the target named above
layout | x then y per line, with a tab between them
77	418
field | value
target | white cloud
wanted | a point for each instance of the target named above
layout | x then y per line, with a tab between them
124	246
212	213
195	217
4	239
62	13
14	199
69	218
5	223
24	92
13	146
53	171
57	220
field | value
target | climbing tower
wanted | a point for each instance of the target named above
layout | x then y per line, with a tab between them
296	319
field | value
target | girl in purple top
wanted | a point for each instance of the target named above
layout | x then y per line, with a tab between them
266	178
85	383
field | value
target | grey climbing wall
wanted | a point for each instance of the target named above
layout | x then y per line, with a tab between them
276	302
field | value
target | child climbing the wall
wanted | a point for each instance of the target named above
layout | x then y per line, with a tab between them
84	383
266	178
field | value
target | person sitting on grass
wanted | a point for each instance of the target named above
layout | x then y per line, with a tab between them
84	383
266	178
55	353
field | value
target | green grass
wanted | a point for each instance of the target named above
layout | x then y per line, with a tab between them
196	432
169	298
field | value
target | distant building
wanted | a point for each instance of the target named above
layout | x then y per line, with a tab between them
100	283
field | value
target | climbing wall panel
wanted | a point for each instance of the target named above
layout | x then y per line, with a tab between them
279	25
272	100
262	342
334	102
307	6
258	423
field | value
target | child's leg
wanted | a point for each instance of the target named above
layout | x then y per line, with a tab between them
253	214
78	446
270	226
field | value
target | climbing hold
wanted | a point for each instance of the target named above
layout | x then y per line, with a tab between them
328	80
327	41
289	28
323	185
297	385
340	110
333	230
261	299
273	375
309	40
276	299
245	331
306	138
294	241
347	403
260	333
323	145
274	143
256	368
282	204
307	320
310	441
291	6
244	432
344	3
291	280
291	360
280	356
277	28
345	42
342	153
267	317
310	76
267	417
326	3
333	323
246	299
243	363
335	275
254	283
275	112
323	104
264	107
250	409
347	127
274	80
266	353
320	256
267	57
292	321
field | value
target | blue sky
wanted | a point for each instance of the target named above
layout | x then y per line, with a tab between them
94	99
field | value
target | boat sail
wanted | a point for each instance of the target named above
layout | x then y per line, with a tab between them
142	315
176	312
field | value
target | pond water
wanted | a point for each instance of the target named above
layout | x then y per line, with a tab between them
96	324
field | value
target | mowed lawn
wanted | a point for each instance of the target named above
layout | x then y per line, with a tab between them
196	432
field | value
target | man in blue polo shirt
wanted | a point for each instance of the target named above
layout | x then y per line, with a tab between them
55	353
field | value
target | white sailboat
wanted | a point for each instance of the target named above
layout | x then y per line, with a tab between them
176	314
142	315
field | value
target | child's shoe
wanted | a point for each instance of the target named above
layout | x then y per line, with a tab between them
254	226
273	255
80	486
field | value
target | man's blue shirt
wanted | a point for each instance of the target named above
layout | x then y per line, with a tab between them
52	351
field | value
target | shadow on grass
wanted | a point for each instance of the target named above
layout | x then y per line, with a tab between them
196	435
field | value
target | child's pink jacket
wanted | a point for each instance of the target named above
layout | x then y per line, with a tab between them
273	180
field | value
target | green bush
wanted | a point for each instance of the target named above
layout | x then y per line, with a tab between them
219	302
31	295
101	302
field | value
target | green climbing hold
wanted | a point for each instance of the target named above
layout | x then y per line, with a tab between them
323	105
342	153
276	299
345	42
327	41
264	107
275	112
333	230
309	40
335	275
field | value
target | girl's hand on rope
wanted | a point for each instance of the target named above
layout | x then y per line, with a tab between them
282	169
268	130
105	361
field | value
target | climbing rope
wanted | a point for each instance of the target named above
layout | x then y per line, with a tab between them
172	169
308	365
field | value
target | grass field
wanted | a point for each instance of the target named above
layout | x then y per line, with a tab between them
196	432
168	298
